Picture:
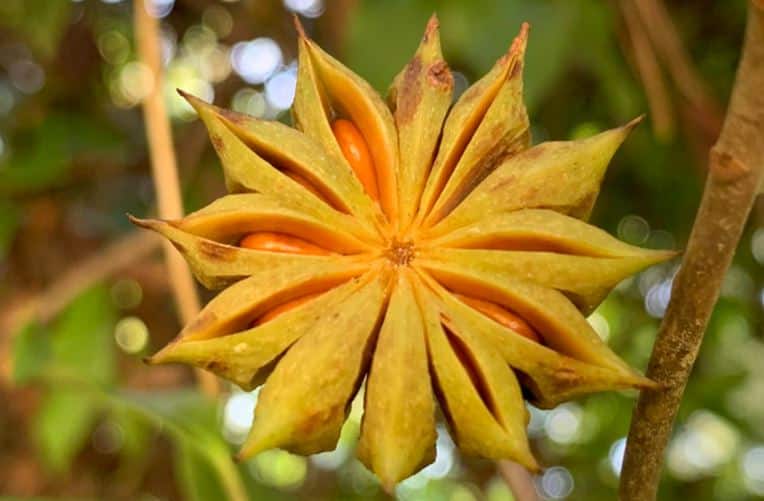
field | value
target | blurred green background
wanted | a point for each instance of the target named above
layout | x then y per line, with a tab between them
82	418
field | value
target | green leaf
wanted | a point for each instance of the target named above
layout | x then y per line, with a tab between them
40	22
595	38
190	419
82	337
474	34
30	353
62	426
9	222
198	481
42	155
136	435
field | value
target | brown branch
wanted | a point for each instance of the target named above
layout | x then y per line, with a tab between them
663	32
44	306
735	172
165	173
518	479
649	72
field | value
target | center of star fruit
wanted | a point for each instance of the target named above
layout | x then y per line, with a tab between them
401	253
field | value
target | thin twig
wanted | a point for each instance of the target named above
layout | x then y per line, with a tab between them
662	30
118	255
44	306
649	72
735	173
519	480
165	173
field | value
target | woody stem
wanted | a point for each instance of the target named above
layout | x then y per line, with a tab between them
734	177
165	173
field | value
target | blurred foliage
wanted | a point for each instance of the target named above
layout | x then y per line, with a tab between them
72	160
41	23
45	152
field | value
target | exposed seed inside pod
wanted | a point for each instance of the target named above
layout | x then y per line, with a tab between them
283	308
433	197
305	183
502	316
280	242
356	152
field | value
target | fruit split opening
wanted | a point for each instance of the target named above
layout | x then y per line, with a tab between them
420	245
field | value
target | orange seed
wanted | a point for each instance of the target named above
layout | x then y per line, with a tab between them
283	308
304	182
356	152
503	316
279	242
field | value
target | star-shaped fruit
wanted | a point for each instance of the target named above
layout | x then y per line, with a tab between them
421	246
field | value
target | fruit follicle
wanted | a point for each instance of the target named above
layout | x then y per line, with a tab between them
415	244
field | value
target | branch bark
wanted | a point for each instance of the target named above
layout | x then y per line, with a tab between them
735	172
646	64
165	173
518	479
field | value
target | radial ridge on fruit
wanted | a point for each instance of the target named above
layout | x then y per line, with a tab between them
418	246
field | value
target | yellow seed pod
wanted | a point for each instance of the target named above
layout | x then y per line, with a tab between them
423	247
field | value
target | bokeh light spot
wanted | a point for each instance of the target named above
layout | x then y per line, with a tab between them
7	101
462	492
280	89
136	81
114	47
131	334
703	445
126	294
753	470
307	8
460	84
238	412
218	19
555	483
280	469
537	421
27	76
108	438
616	454
600	325
256	60
658	297
444	462
633	229
250	101
584	130
498	490
563	423
159	8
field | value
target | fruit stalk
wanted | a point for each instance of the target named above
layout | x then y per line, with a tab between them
734	179
165	173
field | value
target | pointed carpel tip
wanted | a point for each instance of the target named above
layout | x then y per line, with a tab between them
520	41
633	123
160	357
646	383
299	27
670	254
248	451
196	103
525	460
148	224
532	465
433	27
389	487
512	60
